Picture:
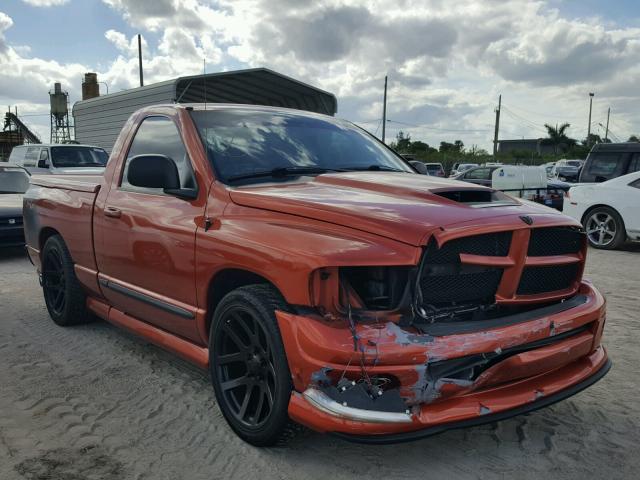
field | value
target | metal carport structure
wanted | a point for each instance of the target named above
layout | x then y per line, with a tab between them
98	121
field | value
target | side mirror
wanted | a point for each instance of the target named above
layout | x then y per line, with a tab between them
42	164
153	171
157	171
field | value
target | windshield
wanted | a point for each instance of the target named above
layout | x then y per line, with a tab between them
13	180
64	157
244	142
574	163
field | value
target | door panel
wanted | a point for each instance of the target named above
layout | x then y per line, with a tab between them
146	259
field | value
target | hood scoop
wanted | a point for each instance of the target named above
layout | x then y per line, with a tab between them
477	197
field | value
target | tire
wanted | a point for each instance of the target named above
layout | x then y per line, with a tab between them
605	228
63	295
248	365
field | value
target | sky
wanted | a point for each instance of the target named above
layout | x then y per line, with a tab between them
447	61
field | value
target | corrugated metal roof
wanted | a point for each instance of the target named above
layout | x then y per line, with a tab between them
98	121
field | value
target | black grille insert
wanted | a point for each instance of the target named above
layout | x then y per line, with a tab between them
460	285
555	241
548	278
444	280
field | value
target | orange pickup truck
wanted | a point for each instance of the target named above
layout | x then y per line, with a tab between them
319	278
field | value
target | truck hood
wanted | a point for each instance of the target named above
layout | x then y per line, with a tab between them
400	206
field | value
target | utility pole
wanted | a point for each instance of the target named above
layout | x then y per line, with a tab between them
606	132
384	110
495	134
591	94
140	59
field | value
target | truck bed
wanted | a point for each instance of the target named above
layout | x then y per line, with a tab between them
64	205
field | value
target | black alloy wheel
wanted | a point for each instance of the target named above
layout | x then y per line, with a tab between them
54	282
248	365
63	294
243	356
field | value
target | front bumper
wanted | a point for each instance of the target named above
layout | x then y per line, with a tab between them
518	383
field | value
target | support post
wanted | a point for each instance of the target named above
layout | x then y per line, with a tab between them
384	110
497	128
140	59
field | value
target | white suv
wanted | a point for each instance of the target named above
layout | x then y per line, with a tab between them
54	158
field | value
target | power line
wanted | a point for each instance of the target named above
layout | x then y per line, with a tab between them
523	121
543	114
439	129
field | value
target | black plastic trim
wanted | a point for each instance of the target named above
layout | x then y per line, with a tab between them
154	302
451	328
480	420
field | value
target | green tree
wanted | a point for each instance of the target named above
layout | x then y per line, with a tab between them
455	147
634	138
402	143
557	136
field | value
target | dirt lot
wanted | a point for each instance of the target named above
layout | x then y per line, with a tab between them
94	402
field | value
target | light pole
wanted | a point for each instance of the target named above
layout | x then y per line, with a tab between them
591	94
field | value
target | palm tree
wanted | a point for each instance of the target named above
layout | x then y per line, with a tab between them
558	137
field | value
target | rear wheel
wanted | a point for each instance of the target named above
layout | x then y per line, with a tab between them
248	365
605	228
63	295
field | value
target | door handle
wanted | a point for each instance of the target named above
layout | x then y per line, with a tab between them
112	212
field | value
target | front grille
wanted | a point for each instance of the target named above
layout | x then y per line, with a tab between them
490	244
460	285
548	278
555	241
444	280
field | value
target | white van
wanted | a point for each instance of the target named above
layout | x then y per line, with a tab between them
62	159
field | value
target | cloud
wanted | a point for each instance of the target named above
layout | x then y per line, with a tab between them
446	61
46	3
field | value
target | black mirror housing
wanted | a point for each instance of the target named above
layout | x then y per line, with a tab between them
42	164
153	171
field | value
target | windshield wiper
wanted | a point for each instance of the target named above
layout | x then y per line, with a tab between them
373	168
282	172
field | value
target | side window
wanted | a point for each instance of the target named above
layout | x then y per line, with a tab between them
44	154
604	164
634	164
159	135
479	174
31	157
635	184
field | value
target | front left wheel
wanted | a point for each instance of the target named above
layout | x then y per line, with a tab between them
248	365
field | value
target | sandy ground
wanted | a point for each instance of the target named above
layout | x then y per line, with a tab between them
94	402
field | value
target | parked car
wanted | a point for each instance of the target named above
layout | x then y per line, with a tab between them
551	193
610	160
435	169
60	158
567	170
14	181
609	211
461	167
317	277
548	167
419	166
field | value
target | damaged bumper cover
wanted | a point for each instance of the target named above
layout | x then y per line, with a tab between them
447	381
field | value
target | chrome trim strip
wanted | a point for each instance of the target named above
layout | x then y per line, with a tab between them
328	405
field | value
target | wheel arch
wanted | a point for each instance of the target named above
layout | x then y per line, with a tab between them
45	234
227	280
599	205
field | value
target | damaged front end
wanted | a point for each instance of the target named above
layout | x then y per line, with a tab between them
483	324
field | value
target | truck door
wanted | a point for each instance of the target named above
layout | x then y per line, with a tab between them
146	238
